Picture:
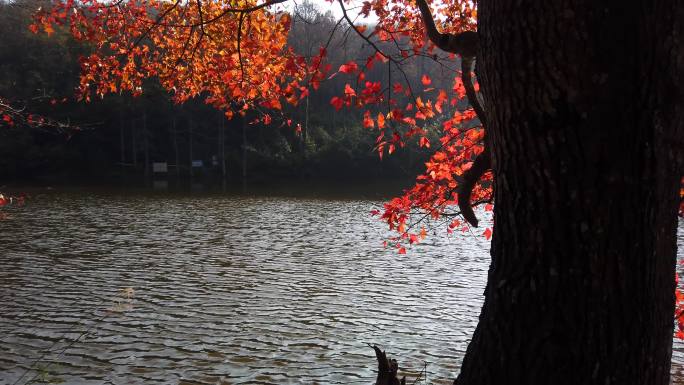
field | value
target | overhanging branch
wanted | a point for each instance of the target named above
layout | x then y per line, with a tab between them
466	71
464	43
481	164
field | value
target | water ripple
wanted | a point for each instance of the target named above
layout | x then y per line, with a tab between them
230	290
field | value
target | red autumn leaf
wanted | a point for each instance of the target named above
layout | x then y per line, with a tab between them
370	62
381	149
426	80
349	68
337	102
367	120
487	233
348	90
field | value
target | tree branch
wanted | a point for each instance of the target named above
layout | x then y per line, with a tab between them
156	22
481	164
351	24
464	43
226	11
466	70
483	161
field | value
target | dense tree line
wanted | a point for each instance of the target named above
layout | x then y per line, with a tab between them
122	135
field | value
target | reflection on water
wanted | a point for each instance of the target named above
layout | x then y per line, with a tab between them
229	290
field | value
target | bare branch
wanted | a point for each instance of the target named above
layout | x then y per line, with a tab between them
364	37
13	115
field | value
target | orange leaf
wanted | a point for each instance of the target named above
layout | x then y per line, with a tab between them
381	120
367	120
424	142
337	102
348	68
348	90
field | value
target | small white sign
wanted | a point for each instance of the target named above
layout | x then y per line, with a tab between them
197	163
160	167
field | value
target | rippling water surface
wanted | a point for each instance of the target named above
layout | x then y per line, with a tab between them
228	290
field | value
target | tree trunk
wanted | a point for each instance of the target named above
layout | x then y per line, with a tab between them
146	143
585	123
174	133
192	157
122	139
134	147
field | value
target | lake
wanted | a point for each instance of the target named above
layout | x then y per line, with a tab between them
229	290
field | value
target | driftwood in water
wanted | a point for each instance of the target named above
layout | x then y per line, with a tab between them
387	369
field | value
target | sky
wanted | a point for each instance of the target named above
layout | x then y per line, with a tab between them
324	5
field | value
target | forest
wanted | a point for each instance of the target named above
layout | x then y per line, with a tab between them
120	136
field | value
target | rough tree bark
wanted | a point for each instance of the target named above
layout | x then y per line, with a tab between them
583	101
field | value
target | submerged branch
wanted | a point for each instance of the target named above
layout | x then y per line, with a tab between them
387	369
